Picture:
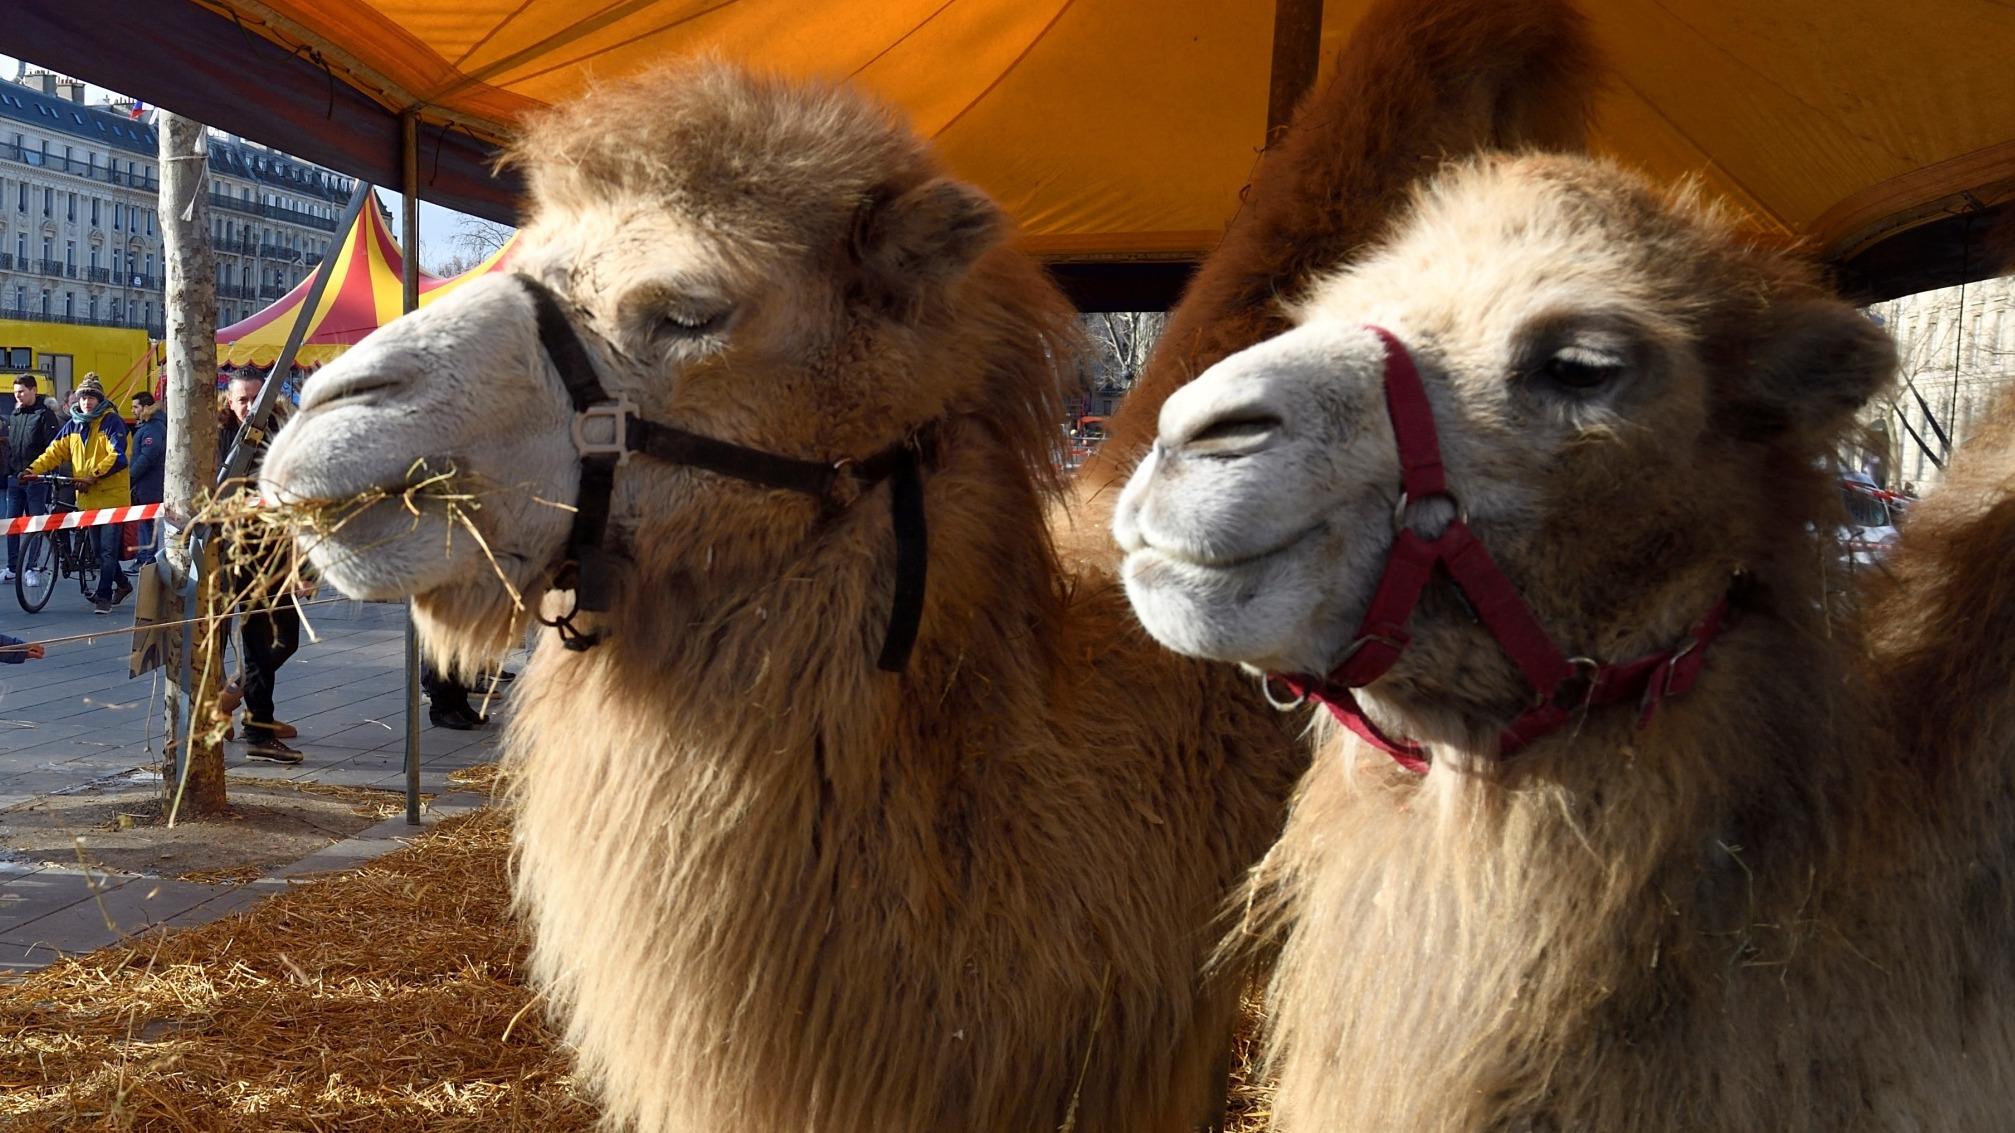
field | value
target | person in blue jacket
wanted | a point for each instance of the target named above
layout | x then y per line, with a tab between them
146	450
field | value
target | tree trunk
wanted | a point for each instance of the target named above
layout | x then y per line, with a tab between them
191	464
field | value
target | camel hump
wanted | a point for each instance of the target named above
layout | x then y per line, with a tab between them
1416	85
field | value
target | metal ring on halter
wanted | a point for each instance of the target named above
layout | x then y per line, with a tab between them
1399	509
1266	684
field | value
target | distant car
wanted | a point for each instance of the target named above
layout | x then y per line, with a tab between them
1873	514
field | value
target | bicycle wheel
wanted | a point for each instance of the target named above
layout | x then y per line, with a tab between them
38	561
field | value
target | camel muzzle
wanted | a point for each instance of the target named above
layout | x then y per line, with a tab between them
607	430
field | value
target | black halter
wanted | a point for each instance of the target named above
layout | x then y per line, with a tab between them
607	430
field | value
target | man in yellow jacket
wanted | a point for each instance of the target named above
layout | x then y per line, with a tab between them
93	444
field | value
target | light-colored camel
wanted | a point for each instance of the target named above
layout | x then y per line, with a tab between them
1777	899
770	886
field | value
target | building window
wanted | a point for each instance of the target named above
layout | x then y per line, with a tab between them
92	307
94	257
48	250
150	222
94	212
70	255
115	310
24	196
21	250
48	202
45	300
69	304
71	209
118	217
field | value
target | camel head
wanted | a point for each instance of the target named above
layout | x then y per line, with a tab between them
769	265
1633	404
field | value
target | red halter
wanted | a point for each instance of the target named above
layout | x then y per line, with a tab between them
1562	686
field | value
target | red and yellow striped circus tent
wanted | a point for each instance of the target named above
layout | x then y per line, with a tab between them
363	295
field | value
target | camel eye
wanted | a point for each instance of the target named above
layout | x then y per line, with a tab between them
689	322
1583	368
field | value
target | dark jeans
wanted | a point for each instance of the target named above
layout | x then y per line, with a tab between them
272	633
445	692
23	499
105	540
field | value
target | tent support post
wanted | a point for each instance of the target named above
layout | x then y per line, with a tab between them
241	453
1297	52
409	173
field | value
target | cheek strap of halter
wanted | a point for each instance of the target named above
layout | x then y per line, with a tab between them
607	430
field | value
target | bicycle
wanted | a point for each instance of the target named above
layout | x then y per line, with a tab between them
47	556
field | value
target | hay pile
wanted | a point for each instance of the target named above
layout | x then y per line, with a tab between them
385	999
390	998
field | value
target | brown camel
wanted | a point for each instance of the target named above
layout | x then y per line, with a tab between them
1758	881
771	885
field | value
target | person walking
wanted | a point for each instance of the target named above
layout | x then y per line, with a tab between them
271	629
147	455
31	426
93	444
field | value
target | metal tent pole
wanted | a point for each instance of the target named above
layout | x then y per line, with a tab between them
409	172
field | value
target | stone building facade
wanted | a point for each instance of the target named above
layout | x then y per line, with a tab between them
80	239
1957	347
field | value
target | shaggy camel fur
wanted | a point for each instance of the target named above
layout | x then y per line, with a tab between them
1780	903
773	888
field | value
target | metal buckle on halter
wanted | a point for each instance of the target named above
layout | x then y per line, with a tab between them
1399	509
603	429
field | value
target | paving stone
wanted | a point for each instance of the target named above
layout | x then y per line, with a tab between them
27	899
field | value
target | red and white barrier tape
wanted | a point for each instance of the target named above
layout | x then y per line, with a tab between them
70	519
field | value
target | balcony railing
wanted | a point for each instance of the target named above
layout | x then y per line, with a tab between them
273	212
90	171
39	316
278	252
49	267
98	275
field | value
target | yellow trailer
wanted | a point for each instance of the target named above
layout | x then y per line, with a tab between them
60	354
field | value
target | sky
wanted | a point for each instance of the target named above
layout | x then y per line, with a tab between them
438	226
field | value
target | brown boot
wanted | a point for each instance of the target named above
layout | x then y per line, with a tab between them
277	729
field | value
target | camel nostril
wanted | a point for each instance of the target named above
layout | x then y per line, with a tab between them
1235	435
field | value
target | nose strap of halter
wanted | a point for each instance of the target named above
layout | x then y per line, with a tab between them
1562	686
607	430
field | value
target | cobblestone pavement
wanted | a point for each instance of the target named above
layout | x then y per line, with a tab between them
76	716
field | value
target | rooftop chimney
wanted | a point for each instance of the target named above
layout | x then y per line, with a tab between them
44	81
72	89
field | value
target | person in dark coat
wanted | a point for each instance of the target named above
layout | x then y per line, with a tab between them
272	625
30	428
146	456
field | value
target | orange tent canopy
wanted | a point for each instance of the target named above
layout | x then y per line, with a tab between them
363	294
1112	130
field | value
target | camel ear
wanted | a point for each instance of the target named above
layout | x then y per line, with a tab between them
925	237
1819	365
